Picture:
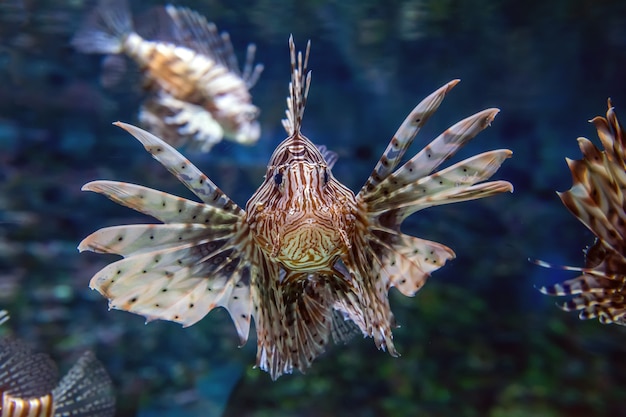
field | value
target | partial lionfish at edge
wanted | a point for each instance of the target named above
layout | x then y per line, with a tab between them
251	262
597	199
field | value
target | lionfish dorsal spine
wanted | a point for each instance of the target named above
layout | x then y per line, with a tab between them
298	88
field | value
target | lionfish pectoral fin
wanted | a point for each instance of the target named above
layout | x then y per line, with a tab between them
459	182
165	207
180	284
409	261
184	170
86	390
404	136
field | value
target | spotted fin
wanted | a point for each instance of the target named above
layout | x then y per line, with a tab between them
184	170
181	270
179	283
404	136
413	187
408	262
86	390
162	206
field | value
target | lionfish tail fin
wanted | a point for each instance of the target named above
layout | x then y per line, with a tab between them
298	88
85	391
105	29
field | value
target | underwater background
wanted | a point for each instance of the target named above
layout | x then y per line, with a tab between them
478	340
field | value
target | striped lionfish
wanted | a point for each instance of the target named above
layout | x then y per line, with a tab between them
307	259
597	199
198	94
28	385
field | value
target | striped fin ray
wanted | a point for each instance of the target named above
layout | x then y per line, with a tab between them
612	136
298	88
404	136
442	148
86	390
366	302
23	373
595	297
181	283
453	184
597	199
184	170
165	207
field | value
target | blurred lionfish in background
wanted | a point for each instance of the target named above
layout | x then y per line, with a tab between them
597	199
307	259
198	94
28	384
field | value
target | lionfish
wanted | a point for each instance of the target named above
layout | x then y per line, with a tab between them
28	384
597	199
198	93
308	260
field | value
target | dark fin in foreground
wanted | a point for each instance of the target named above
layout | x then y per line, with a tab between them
86	390
23	373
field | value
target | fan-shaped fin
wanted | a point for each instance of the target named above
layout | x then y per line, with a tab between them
408	262
86	390
23	373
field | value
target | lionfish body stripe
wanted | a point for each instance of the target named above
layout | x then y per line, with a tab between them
308	260
198	94
597	199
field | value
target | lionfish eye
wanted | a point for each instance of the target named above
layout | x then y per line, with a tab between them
278	178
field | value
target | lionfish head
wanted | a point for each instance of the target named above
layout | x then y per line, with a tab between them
300	216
